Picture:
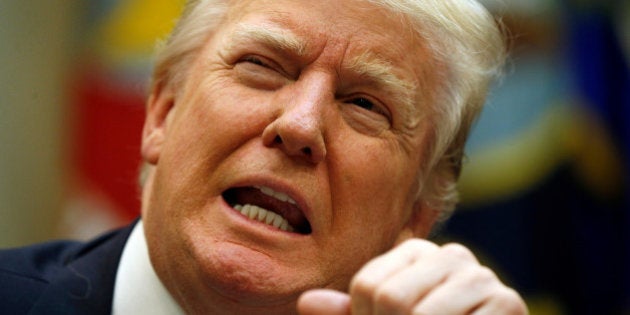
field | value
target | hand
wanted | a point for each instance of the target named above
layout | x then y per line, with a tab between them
419	277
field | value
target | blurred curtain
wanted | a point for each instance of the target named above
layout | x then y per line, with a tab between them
545	190
109	89
34	56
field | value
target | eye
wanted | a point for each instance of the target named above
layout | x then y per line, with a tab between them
369	105
366	114
259	72
362	102
255	60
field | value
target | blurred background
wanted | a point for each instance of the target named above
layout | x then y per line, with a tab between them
545	195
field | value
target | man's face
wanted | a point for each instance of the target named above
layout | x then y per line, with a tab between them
306	114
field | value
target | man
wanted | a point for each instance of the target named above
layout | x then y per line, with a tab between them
289	143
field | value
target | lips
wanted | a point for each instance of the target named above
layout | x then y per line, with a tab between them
265	205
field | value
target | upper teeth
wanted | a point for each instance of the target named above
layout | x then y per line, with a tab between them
262	215
278	195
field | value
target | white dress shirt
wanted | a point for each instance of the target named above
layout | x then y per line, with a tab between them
138	289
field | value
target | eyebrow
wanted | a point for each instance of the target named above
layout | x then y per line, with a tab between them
379	71
277	38
368	65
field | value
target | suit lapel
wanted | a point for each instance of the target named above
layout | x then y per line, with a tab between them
85	283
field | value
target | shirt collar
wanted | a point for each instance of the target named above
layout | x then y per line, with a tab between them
138	290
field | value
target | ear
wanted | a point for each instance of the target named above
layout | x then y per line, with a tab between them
159	106
420	222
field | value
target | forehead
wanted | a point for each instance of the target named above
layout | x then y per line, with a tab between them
329	22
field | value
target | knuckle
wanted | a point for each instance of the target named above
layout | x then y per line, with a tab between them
416	244
362	285
390	299
426	309
458	251
386	297
479	279
509	300
484	274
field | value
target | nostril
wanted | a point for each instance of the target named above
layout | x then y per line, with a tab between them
306	151
277	140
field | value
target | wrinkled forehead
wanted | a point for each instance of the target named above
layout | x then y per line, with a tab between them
330	16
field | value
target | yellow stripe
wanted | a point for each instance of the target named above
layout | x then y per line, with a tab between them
135	25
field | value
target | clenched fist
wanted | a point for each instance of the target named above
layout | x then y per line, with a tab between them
419	277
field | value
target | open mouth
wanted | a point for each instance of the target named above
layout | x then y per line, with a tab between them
267	206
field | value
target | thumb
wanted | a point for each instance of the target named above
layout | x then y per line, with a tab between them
322	301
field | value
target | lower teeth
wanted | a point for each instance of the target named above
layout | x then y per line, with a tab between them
265	216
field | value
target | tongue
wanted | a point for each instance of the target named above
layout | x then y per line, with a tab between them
253	196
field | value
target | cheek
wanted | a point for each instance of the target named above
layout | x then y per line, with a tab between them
374	186
220	117
229	106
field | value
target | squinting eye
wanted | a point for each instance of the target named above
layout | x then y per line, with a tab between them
259	72
255	61
369	105
366	114
362	102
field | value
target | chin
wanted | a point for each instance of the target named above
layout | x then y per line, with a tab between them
248	277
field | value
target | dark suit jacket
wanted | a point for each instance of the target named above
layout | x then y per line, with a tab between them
61	277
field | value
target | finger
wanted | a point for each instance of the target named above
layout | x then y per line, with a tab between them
461	293
404	289
316	302
365	283
503	301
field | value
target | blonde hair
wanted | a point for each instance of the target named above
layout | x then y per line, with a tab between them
463	38
175	55
470	46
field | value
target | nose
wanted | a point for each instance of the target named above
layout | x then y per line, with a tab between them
298	130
